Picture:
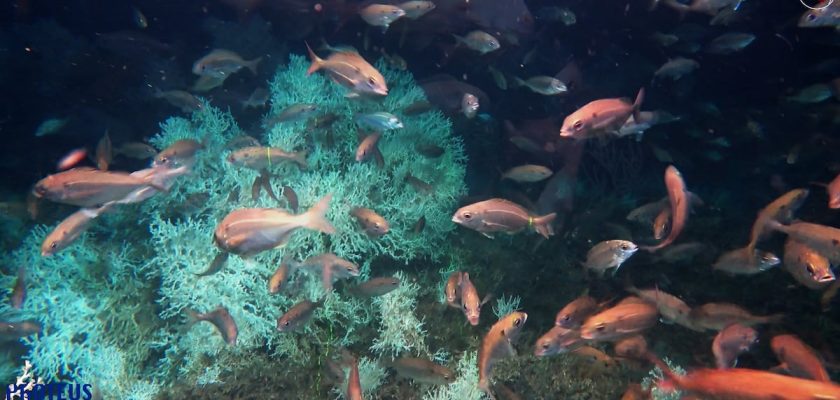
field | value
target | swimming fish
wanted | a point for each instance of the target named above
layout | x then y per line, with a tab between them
259	157
600	117
633	347
798	359
368	148
180	152
781	210
498	344
479	41
452	289
422	370
381	14
279	277
716	316
221	319
676	68
221	63
609	254
744	262
469	105
624	319
379	121
416	8
19	290
731	342
527	173
572	315
808	267
373	224
330	266
558	340
470	301
678	198
671	308
297	316
292	113
499	215
375	287
823	239
350	70
88	187
730	43
544	85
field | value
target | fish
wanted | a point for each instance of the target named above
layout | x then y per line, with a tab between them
596	358
647	213
221	63
470	303
555	13
833	191
216	265
248	231
679	200
395	61
136	150
452	289
375	287
379	121
104	152
716	316
72	158
729	43
297	316
221	319
664	39
633	347
372	223
479	41
743	262
15	330
824	14
418	107
416	8
322	121
331	268
180	99
731	342
572	315
558	340
354	385
498	77
809	268
419	225
671	308
429	150
821	238
544	85
744	384
419	185
422	370
260	158
812	94
781	210
292	113
88	187
160	178
647	119
180	152
291	198
206	83
140	20
682	252
624	319
19	290
798	359
469	105
368	148
662	224
278	279
350	70
498	344
600	117
382	15
529	173
676	68
500	215
258	98
609	254
50	126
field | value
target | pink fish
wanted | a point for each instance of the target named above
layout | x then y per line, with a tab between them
678	199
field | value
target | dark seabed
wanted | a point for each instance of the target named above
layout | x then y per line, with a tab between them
197	206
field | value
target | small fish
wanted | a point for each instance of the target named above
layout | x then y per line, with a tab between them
415	9
823	239
679	200
221	63
676	68
368	148
298	315
71	159
469	105
809	268
609	254
350	70
572	315
395	61
180	152
745	262
479	41
381	14
601	116
379	121
16	330
422	370
375	287
429	150
279	277
373	224
526	144
50	126
470	301
633	347
89	187
499	215
671	308
812	94
419	184
624	319
558	340
452	289
140	20
136	150
781	209
259	158
331	268
322	121
555	13
596	358
716	316
798	359
498	77
248	231
662	224
354	385
206	83
185	101
104	152
221	319
498	344
19	290
258	98
216	265
544	85
731	342
664	39
419	225
527	173
294	112
418	107
833	191
730	43
291	198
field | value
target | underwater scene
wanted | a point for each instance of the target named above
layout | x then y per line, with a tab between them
431	200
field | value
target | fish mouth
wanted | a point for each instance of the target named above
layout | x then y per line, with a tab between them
456	220
826	278
834	204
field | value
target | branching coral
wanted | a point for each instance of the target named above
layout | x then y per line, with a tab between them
399	329
465	387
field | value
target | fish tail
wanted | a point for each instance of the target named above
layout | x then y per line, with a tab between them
637	105
772	319
517	82
542	225
316	217
317	62
252	65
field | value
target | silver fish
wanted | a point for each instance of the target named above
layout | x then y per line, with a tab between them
479	41
330	267
221	63
379	121
544	85
499	215
609	254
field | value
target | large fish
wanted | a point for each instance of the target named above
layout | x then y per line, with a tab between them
600	117
350	70
678	198
69	230
263	157
498	344
716	316
470	301
798	359
731	342
624	319
781	210
499	215
572	315
823	239
249	231
88	187
809	268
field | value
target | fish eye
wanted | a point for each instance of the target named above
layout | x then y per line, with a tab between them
53	245
285	323
625	247
465	306
517	322
546	345
467	215
812	17
349	269
578	124
372	81
810	269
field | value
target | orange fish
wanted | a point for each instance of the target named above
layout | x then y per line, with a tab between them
601	117
350	70
221	319
71	159
798	359
678	199
498	344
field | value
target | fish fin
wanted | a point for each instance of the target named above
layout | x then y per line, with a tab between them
216	265
352	95
326	279
256	189
377	156
316	217
487	235
637	105
252	65
317	62
542	225
487	297
517	82
781	368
